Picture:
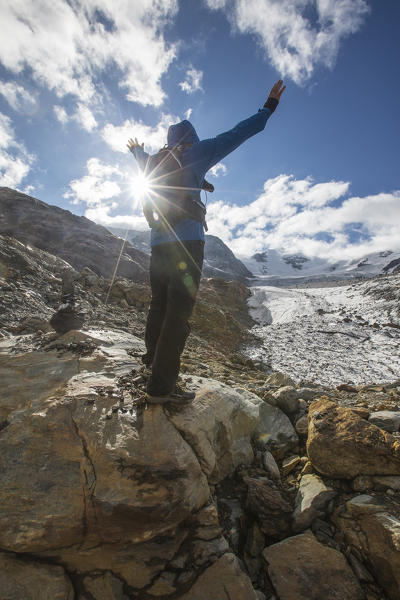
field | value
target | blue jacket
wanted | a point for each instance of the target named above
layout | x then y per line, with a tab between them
196	160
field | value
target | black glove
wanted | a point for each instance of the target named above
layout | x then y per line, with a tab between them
207	186
271	103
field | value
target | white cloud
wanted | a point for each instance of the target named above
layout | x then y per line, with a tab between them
188	113
315	219
18	97
85	118
218	169
192	81
15	162
61	114
100	215
95	187
108	189
154	137
67	45
294	41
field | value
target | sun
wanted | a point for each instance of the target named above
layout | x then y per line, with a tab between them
141	185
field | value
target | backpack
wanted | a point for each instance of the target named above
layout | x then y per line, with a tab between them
168	202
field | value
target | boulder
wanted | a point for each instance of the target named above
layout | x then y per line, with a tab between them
67	318
301	426
286	399
308	394
279	379
311	501
22	579
270	508
269	464
219	425
223	580
371	524
392	483
389	420
301	568
276	431
343	445
103	586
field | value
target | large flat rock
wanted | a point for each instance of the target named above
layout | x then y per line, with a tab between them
301	568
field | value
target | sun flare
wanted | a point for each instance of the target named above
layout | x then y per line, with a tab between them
140	185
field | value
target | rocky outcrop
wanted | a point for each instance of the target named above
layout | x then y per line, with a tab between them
341	444
117	492
75	239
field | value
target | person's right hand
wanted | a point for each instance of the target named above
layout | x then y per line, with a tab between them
277	90
132	144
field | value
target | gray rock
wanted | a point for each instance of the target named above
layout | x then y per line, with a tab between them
270	466
276	431
389	420
302	426
279	379
388	481
311	501
362	483
286	399
308	394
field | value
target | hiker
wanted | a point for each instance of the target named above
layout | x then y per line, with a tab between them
176	215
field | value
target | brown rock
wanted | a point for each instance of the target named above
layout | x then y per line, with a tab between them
346	387
104	586
372	526
31	580
301	568
343	445
224	580
361	411
65	470
270	507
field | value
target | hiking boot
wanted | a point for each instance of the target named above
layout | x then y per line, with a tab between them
178	396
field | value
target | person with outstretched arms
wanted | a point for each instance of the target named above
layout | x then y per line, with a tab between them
176	215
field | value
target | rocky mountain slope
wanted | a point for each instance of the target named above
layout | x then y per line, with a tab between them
219	260
75	239
267	487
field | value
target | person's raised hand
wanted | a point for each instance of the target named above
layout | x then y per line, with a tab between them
132	144
277	90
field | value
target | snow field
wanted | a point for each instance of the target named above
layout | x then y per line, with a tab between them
330	335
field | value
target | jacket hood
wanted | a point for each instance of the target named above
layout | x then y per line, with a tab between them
182	133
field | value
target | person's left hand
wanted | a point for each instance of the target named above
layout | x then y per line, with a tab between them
277	90
132	144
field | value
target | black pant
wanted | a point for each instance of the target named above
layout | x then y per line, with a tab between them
175	271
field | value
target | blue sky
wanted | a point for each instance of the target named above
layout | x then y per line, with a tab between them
322	179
